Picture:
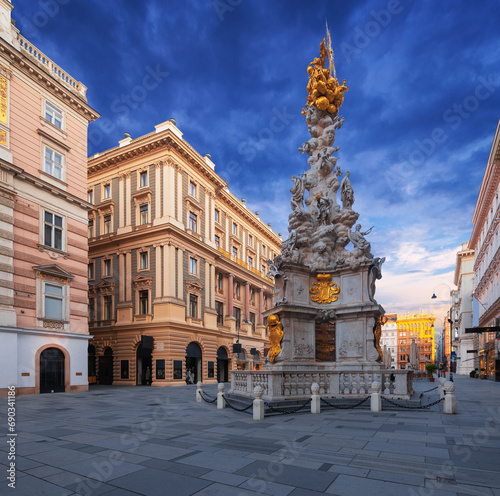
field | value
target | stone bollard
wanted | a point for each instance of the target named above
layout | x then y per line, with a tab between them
376	401
442	382
315	398
258	403
450	400
221	403
199	390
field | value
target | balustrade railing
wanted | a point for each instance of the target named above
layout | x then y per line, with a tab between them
242	263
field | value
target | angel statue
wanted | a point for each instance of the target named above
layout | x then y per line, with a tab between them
358	240
297	191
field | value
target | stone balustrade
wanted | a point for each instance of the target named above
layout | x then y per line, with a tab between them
280	385
32	52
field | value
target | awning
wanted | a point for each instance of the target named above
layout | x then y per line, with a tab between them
474	330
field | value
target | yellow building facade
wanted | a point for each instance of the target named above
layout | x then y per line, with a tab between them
418	327
177	267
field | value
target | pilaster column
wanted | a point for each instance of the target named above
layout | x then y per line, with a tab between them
121	201
246	306
230	284
128	276
244	242
212	286
212	217
168	273
158	271
260	319
128	200
207	218
226	237
180	274
208	286
121	277
157	191
179	194
171	190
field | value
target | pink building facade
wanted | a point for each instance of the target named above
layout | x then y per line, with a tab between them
44	117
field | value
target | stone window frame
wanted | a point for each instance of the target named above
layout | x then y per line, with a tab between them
142	283
144	197
194	288
104	210
104	188
106	258
217	215
140	173
62	128
103	306
193	185
91	224
218	302
91	195
196	260
140	252
53	252
91	264
55	148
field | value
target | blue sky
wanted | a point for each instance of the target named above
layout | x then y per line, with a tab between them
420	113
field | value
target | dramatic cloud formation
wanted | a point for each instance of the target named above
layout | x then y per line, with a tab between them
420	112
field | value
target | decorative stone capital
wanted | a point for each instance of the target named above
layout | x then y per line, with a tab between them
315	388
258	392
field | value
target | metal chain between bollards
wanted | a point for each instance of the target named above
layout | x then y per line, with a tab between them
237	409
285	411
413	407
429	390
345	407
210	399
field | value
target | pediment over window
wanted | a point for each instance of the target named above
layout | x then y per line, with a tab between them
104	288
194	286
142	282
53	271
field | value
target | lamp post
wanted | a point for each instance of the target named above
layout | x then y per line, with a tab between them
434	297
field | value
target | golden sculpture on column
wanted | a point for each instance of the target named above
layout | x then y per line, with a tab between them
275	331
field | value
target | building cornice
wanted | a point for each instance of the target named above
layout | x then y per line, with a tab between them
36	71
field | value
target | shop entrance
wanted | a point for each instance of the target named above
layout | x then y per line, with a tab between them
52	371
193	363
222	365
106	367
144	366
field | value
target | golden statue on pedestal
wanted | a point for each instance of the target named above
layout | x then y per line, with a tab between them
275	332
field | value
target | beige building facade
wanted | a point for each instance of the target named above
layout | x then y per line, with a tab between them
44	117
177	267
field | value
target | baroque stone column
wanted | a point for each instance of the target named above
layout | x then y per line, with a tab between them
230	284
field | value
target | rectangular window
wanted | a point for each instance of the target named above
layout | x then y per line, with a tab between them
107	267
143	302
53	163
237	289
124	369
177	369
144	179
53	115
235	252
53	307
252	321
193	266
91	270
143	260
192	189
91	309
217	241
192	221
217	215
219	282
108	308
91	228
193	306
263	270
160	369
237	316
250	261
52	232
90	196
263	250
235	228
252	295
144	214
211	369
219	308
107	191
250	239
107	223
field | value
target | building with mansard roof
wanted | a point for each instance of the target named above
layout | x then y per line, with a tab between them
177	267
43	221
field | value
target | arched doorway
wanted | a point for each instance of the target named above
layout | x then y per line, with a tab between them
193	363
52	371
91	365
222	365
144	366
106	367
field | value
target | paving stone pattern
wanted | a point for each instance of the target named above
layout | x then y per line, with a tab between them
150	441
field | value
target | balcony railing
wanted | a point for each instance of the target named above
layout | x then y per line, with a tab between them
41	59
243	263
